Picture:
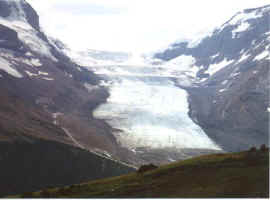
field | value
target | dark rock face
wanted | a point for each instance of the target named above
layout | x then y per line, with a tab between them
31	15
231	105
9	39
4	9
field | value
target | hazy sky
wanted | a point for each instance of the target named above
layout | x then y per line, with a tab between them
133	25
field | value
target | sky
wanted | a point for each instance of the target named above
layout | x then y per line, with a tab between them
136	26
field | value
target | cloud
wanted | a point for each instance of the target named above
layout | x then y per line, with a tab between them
87	9
126	25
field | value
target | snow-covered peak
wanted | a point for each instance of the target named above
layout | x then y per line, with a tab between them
242	19
16	10
19	11
20	18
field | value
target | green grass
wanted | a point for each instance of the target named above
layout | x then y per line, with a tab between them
242	174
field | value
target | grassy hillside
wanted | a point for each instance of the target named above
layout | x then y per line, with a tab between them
244	174
37	164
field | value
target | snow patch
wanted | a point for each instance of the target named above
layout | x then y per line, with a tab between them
215	56
268	109
43	73
243	57
224	82
243	16
90	87
222	90
171	160
30	74
5	65
240	28
202	80
183	63
264	54
47	79
29	54
234	74
212	69
55	116
35	62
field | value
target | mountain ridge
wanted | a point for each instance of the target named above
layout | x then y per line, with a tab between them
229	94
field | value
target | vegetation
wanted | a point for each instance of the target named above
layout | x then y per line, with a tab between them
242	174
146	168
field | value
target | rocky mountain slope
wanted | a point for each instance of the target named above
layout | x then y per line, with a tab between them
229	79
46	104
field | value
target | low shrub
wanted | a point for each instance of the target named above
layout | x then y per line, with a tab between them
145	168
252	149
264	148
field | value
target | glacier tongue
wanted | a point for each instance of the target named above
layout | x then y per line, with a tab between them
149	111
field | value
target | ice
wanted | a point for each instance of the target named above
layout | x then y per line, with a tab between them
151	112
5	65
212	69
146	105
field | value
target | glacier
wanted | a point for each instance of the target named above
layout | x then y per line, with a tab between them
147	109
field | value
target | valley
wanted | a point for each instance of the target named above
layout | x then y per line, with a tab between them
71	116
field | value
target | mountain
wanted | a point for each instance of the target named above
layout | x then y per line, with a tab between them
228	73
48	135
229	175
69	117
